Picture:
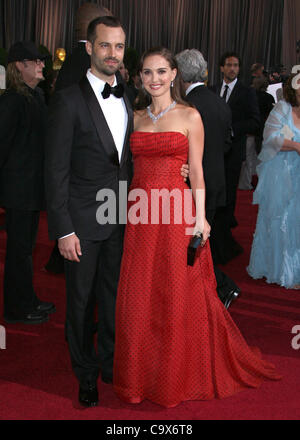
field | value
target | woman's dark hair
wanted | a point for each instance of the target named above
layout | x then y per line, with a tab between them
177	92
108	21
289	92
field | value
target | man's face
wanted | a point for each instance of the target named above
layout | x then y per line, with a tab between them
107	51
231	69
31	71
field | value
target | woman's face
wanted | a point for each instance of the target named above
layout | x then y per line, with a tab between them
157	75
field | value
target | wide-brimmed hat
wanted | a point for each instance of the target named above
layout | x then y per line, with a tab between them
24	50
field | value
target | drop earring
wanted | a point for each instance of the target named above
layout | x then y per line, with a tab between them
172	84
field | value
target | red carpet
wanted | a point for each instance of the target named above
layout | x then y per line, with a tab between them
36	381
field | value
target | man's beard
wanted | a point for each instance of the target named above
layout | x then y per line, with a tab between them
104	69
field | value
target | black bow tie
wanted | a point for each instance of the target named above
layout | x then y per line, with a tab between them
117	91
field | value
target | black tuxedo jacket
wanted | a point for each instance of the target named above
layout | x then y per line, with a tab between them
22	135
81	159
245	117
245	111
216	117
74	67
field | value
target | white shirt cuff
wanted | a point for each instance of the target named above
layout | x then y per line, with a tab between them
65	236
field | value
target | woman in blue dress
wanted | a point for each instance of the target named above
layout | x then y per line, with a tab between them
275	252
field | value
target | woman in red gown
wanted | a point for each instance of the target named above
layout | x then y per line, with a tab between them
175	341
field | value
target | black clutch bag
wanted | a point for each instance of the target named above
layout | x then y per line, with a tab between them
195	242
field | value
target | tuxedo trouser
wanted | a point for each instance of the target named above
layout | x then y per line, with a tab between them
19	295
93	281
55	263
225	285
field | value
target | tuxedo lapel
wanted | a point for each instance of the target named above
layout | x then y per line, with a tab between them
125	150
234	94
99	120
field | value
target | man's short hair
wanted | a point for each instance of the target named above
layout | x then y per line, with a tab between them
192	66
108	21
230	55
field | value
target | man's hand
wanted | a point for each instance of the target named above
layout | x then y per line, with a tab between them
185	171
69	247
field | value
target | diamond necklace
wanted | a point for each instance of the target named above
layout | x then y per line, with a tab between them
160	115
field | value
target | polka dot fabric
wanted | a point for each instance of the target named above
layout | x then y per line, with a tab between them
175	341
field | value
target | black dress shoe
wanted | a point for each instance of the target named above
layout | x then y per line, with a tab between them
35	317
88	396
233	295
45	307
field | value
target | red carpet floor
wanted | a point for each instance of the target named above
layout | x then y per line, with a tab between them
36	381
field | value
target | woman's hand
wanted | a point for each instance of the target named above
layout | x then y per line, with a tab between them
205	230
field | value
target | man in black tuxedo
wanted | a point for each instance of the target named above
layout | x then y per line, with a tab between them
87	150
72	71
216	117
22	135
245	120
243	103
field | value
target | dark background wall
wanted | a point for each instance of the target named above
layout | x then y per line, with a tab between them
260	30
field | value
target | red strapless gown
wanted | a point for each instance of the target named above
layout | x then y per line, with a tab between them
175	340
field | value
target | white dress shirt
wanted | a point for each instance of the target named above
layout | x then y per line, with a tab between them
193	86
230	88
114	110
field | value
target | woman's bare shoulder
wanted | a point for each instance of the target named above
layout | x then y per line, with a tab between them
190	114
